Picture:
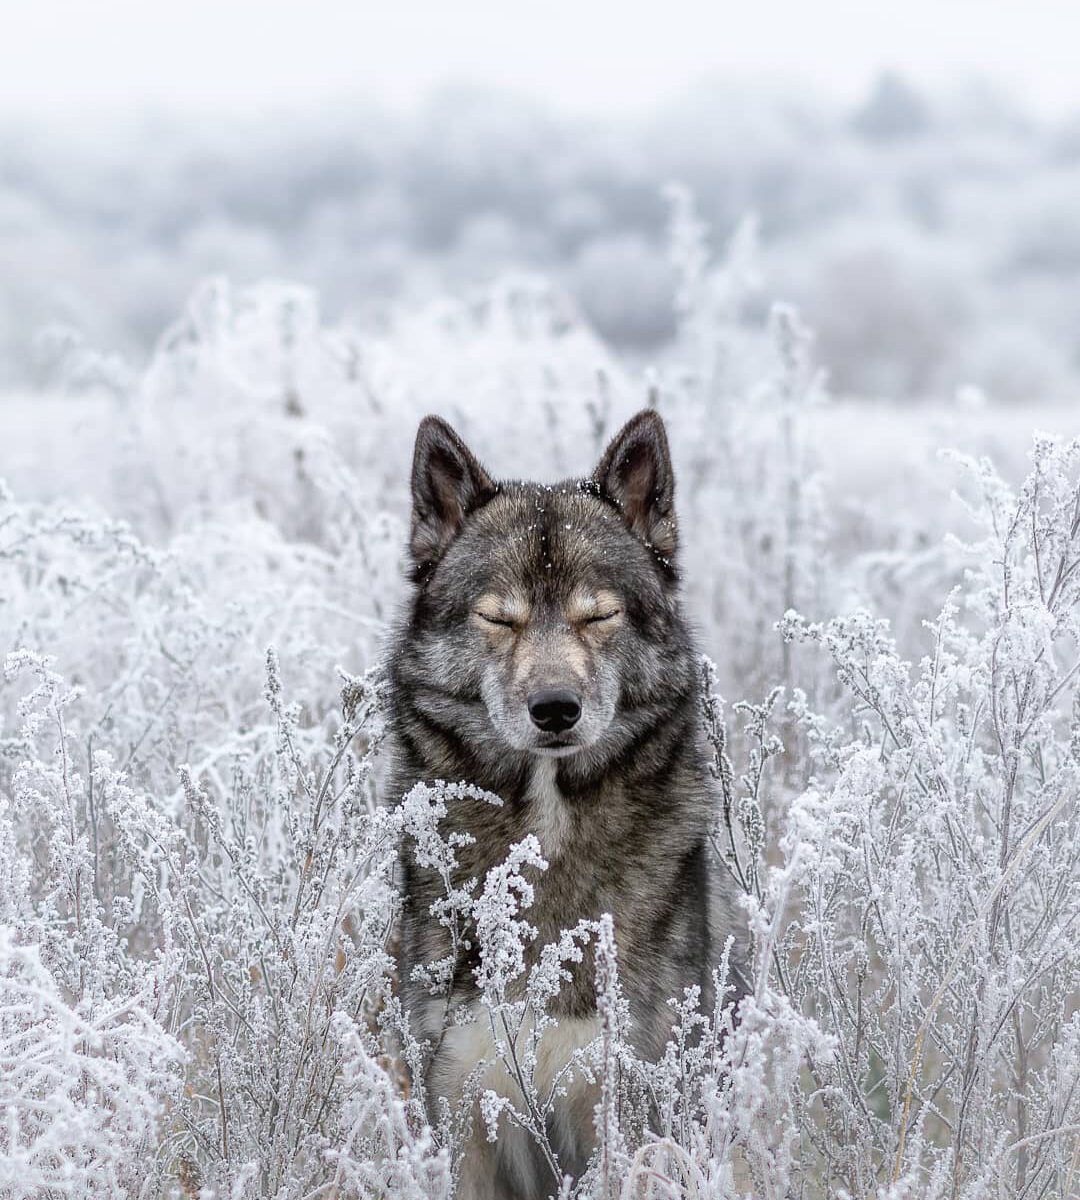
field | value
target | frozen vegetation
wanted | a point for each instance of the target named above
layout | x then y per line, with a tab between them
197	571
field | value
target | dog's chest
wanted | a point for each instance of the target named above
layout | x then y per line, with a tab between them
548	815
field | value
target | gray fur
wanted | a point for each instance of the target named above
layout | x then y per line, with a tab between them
621	803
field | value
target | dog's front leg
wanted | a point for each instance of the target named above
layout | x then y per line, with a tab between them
480	1176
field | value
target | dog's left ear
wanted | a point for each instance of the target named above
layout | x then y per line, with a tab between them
448	483
636	474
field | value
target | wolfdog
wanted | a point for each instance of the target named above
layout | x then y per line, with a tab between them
544	657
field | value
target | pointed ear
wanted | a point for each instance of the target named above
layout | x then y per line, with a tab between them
636	474
447	484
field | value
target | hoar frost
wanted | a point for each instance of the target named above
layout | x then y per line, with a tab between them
198	891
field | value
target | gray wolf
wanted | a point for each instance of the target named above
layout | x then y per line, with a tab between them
545	657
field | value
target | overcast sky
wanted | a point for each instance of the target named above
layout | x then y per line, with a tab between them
63	56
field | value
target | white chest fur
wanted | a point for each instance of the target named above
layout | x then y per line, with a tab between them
549	817
461	1051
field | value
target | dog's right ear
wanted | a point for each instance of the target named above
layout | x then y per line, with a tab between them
448	483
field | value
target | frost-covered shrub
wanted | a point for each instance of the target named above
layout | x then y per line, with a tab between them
88	1061
81	1088
939	849
198	990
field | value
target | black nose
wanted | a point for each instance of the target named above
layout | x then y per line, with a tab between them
554	710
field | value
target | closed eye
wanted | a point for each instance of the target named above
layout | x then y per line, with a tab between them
495	620
607	616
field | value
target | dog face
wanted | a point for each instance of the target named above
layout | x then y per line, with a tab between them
543	617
